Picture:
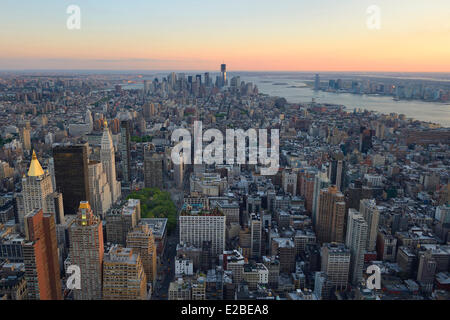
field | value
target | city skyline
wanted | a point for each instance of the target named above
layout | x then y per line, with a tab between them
197	35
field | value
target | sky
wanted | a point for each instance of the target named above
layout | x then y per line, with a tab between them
248	35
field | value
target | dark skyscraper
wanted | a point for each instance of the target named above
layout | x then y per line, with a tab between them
365	140
223	75
153	168
198	78
337	171
207	79
71	175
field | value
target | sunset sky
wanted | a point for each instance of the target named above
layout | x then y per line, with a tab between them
254	35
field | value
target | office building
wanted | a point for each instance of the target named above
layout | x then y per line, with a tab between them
197	226
123	275
38	193
40	256
100	192
427	270
322	286
229	208
331	216
289	181
365	140
120	221
109	163
142	241
369	211
256	236
86	251
223	75
317	82
72	175
336	264
356	240
337	170
25	138
321	181
153	168
284	248
178	173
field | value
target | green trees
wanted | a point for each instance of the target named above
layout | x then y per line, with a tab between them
156	204
142	139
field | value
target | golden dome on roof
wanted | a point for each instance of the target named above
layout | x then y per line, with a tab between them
84	205
35	169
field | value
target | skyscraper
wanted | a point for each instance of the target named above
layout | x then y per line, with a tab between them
148	110
369	211
100	191
365	140
336	172
321	181
147	87
331	216
121	221
123	275
25	138
223	75
289	181
109	163
178	173
142	241
86	251
153	168
207	79
356	240
38	193
40	256
317	82
426	270
199	226
256	236
72	175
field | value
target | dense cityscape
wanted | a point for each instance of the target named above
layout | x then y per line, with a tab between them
94	207
233	159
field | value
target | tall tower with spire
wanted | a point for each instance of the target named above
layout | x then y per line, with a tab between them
38	193
109	163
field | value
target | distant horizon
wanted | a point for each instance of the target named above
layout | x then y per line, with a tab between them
289	36
218	71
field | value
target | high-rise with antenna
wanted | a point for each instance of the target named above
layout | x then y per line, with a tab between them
223	73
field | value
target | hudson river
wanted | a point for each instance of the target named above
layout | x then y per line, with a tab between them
293	91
